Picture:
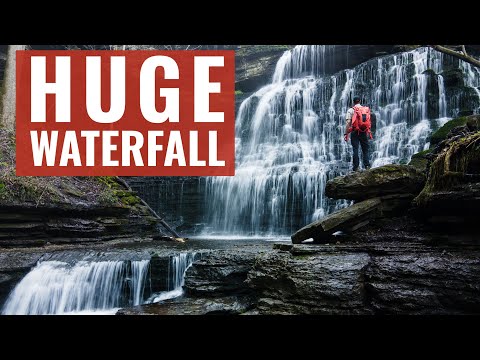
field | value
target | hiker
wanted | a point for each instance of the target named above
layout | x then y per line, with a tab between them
359	125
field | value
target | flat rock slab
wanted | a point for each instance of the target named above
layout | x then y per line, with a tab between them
229	305
381	181
344	219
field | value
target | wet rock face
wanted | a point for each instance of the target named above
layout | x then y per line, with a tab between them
181	196
13	267
309	284
28	225
431	283
381	181
220	273
255	64
395	267
403	275
359	279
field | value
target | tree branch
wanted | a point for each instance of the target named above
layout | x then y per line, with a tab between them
459	55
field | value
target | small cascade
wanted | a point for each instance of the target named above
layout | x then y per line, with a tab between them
178	266
56	287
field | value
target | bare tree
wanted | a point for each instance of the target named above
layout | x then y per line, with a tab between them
8	101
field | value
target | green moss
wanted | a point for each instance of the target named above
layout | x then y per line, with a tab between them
441	134
419	160
421	154
110	181
130	200
238	92
388	168
127	197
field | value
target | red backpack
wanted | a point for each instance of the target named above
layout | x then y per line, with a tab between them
361	120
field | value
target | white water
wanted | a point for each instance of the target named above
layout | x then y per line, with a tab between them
179	265
92	288
289	135
56	287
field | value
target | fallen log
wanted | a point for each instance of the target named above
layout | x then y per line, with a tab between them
353	217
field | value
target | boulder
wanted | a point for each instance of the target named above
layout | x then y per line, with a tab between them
420	160
346	219
381	181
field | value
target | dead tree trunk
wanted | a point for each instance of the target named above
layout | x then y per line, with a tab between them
7	112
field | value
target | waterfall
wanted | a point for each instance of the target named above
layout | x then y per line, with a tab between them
56	287
472	78
178	266
85	287
289	134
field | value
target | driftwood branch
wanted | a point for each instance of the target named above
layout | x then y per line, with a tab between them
458	54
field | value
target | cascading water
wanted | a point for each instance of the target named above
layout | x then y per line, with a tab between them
179	265
56	287
290	133
86	287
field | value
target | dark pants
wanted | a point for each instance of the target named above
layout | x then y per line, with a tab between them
360	139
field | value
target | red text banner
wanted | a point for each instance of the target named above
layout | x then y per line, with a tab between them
129	113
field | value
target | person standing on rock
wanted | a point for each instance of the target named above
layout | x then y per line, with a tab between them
359	125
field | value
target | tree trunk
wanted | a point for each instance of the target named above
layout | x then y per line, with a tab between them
7	111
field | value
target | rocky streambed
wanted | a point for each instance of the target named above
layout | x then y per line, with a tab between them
393	271
392	266
408	245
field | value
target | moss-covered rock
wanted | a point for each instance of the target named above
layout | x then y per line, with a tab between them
420	160
381	181
442	133
473	122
